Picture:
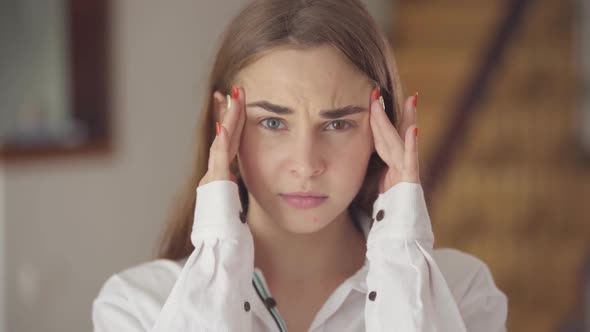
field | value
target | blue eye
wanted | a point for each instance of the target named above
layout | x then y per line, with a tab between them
273	122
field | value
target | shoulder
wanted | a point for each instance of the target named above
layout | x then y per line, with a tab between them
141	289
468	278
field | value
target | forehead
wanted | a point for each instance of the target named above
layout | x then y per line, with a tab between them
303	73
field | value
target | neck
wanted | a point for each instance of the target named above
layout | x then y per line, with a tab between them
336	251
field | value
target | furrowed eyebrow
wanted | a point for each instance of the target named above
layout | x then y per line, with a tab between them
327	114
272	107
342	112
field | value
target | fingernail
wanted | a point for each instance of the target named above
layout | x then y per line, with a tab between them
416	99
235	92
217	129
228	100
382	102
376	93
416	131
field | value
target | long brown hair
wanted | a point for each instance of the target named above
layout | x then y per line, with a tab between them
260	27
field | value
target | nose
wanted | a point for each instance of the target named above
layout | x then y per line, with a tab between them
307	159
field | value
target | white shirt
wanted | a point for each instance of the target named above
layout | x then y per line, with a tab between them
404	285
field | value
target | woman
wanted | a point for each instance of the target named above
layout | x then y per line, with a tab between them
308	213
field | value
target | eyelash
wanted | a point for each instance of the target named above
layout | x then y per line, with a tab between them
348	123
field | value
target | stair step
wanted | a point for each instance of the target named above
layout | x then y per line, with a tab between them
502	132
466	14
537	202
446	25
449	67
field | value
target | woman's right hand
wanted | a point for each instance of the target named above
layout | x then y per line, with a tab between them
229	131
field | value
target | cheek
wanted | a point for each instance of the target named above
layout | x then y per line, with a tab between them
356	147
349	158
258	155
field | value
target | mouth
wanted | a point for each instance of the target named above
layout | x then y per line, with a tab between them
304	200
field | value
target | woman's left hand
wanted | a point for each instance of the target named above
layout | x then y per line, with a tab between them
400	155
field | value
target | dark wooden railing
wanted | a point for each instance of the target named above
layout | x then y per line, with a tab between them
476	87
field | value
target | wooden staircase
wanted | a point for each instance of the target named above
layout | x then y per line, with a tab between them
518	193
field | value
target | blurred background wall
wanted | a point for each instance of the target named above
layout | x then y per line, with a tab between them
71	222
2	255
514	190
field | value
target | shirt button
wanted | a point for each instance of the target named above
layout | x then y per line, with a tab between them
380	215
372	295
247	306
270	303
243	217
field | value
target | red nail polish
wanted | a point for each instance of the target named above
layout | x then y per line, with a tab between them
376	93
416	131
217	129
235	92
416	99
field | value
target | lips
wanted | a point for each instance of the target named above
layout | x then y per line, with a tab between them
304	200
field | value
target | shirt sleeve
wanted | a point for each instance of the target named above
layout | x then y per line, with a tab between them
406	289
213	288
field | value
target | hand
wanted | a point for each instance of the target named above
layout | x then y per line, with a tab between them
226	143
400	155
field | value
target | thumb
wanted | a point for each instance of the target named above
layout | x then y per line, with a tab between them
221	163
217	164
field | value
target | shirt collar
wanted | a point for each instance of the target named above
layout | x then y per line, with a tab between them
358	280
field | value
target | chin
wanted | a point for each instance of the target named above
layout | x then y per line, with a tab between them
305	224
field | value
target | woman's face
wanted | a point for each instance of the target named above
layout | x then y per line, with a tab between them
304	147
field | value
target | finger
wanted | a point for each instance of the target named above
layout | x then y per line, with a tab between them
220	106
223	113
408	115
218	160
380	145
411	163
230	120
387	134
241	119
